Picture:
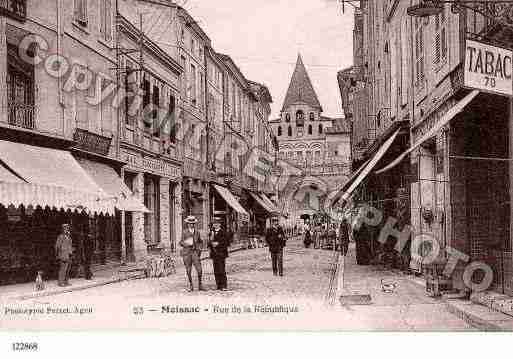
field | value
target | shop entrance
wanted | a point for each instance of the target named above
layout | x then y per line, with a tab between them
480	195
172	217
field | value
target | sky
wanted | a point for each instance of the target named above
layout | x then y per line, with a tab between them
264	37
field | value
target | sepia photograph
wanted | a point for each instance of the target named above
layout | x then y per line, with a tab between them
273	166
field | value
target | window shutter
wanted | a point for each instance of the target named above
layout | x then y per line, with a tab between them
443	40
76	8
80	11
404	61
393	72
436	57
108	20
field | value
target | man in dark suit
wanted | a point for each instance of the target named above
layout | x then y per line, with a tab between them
218	244
344	236
64	251
191	250
275	238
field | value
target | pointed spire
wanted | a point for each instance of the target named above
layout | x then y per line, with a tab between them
301	89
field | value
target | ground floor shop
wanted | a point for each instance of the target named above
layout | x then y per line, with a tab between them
196	203
478	205
388	193
28	237
261	210
42	188
227	205
157	183
460	189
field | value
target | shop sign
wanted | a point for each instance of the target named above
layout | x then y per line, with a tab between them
152	165
488	68
92	142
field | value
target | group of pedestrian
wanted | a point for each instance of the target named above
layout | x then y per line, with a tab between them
192	246
331	236
218	243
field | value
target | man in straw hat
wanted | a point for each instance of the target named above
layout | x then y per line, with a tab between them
191	250
63	251
218	244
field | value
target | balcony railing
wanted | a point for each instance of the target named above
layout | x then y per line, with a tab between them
21	115
16	9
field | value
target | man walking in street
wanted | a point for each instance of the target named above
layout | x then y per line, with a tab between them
332	237
191	251
275	239
344	236
218	244
63	251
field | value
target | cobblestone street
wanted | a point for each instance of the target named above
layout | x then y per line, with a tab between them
307	286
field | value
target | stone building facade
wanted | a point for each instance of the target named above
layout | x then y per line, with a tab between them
413	79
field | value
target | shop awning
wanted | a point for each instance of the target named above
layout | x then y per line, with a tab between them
270	203
113	185
346	185
52	178
263	204
449	115
232	201
369	166
8	176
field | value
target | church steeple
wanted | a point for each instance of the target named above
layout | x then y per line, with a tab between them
301	89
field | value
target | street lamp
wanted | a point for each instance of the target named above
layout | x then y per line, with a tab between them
495	10
425	8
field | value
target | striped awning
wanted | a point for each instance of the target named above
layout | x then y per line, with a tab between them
113	185
29	194
270	203
232	202
368	167
263	204
37	176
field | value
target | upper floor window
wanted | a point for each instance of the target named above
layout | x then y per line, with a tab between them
131	84
419	52
310	129
312	116
287	117
80	12
106	19
193	45
290	131
320	129
156	102
440	41
146	99
172	116
193	85
20	90
16	9
279	131
300	118
184	77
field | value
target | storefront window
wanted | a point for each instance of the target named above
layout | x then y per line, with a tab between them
152	202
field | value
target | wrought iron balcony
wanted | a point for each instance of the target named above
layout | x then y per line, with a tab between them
16	9
21	115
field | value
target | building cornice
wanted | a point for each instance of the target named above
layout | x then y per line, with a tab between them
132	33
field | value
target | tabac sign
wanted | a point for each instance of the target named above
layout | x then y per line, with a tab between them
488	68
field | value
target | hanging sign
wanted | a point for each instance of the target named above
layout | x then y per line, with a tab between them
488	68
